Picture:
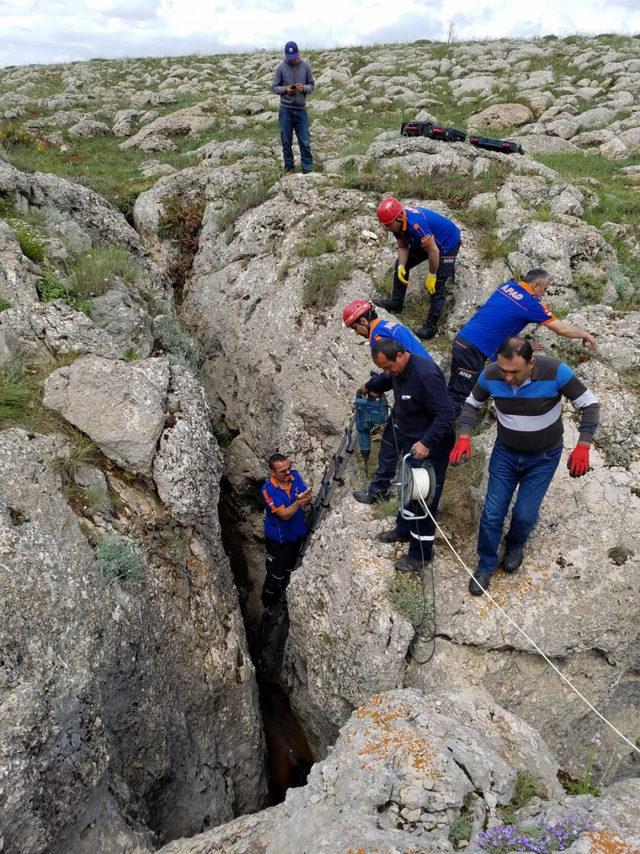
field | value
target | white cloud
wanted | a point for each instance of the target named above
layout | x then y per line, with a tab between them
53	30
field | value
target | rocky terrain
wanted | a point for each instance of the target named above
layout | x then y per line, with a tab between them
170	313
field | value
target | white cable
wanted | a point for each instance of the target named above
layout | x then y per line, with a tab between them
531	641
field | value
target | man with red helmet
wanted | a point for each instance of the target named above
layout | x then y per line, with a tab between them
361	316
421	235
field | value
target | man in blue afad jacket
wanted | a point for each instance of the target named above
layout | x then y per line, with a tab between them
293	81
509	309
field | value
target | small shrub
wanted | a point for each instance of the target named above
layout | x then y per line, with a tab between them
589	287
491	247
118	559
131	355
321	283
7	208
51	286
12	135
181	222
4	304
28	239
94	271
171	337
407	598
527	787
543	214
581	786
460	829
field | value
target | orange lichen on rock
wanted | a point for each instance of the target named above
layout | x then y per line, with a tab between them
604	842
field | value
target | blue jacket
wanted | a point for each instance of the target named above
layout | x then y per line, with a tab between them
504	315
388	329
423	410
274	497
421	226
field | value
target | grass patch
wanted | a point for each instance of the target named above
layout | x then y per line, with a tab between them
459	498
491	247
18	396
384	509
316	240
321	282
93	272
453	188
581	786
481	218
51	286
118	559
630	379
460	829
4	304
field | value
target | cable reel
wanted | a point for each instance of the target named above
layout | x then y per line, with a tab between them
416	484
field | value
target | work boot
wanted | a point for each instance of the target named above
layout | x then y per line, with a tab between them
479	583
389	305
366	497
426	331
392	536
408	564
512	559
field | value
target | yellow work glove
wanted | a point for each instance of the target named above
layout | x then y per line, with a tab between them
430	283
402	275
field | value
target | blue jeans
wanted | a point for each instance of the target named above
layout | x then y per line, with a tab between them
291	119
532	474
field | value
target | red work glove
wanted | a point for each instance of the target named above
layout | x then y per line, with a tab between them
578	462
461	451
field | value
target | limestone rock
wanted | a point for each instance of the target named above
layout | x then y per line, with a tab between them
88	129
121	407
123	315
500	116
188	456
190	121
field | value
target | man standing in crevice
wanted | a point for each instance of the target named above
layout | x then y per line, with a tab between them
284	496
293	81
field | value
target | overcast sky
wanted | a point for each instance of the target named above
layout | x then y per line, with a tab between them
63	30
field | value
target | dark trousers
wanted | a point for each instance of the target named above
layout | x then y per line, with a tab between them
532	474
446	271
281	558
387	461
291	119
422	532
467	363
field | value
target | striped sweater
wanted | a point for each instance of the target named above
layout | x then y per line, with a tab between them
530	415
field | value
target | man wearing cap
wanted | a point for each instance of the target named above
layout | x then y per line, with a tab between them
361	316
293	81
509	309
421	235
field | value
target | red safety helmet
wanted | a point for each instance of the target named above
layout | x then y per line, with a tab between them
389	209
355	310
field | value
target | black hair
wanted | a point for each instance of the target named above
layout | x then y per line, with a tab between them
535	275
516	347
371	315
388	348
276	458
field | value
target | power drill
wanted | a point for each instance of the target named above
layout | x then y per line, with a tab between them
370	412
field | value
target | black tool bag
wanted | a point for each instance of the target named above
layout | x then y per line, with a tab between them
428	129
506	146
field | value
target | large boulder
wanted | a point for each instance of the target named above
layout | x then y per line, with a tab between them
128	711
409	775
500	116
121	407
